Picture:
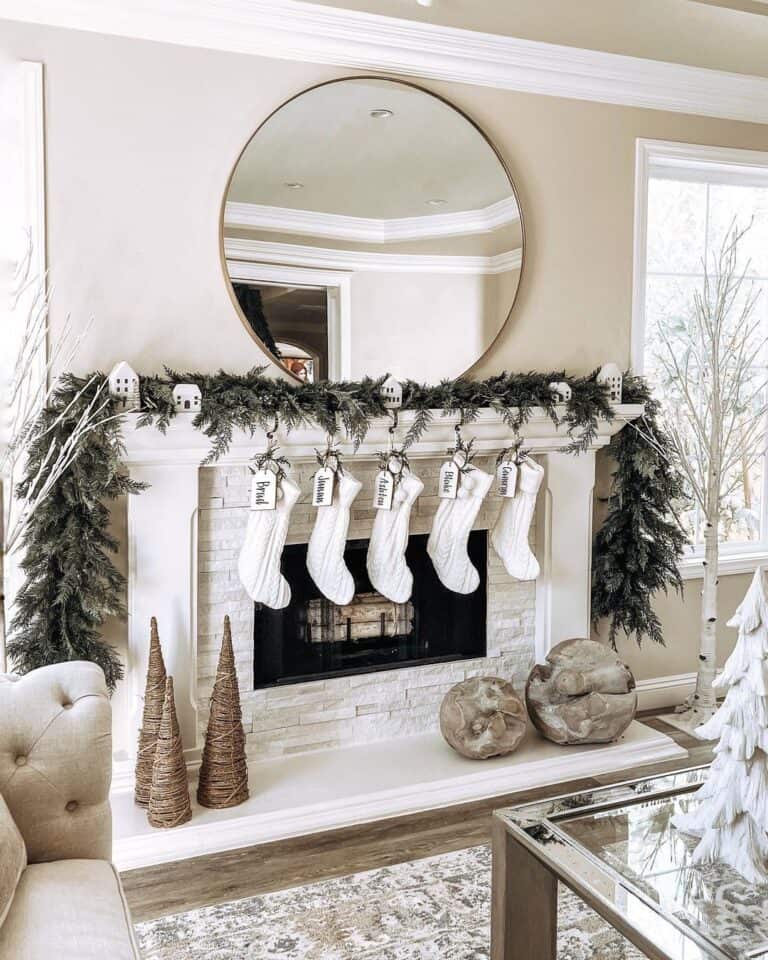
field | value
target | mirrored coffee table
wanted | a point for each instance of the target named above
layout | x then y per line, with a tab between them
617	849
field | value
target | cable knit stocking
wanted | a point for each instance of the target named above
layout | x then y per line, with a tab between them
325	553
447	544
387	569
510	532
259	561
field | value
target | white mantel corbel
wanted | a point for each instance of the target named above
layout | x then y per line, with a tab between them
162	527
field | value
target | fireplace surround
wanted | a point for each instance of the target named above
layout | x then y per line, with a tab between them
186	530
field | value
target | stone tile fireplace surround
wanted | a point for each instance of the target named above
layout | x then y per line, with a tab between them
186	530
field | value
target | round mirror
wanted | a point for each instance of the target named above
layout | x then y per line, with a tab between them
371	227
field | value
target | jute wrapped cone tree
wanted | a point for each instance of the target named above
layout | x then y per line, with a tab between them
224	771
169	803
154	695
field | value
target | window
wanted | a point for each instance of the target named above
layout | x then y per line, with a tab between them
688	198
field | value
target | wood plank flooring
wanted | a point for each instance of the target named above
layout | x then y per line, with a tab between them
202	881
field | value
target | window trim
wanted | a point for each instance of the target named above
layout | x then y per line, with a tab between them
749	167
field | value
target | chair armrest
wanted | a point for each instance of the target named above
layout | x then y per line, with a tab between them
56	760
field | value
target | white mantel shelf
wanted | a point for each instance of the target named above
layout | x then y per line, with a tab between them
163	539
184	444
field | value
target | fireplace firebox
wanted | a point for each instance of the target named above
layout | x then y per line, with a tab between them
314	638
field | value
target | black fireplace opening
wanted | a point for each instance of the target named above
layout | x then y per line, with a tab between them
313	638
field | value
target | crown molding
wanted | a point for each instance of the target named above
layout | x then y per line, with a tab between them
296	30
312	223
260	251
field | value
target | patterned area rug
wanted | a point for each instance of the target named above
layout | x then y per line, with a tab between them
432	909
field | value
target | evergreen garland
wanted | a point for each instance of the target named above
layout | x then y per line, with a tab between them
72	585
638	548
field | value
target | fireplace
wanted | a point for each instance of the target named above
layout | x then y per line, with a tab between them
313	638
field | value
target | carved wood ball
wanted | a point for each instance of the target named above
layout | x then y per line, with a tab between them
483	717
582	694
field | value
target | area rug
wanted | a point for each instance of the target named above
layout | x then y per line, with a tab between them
432	909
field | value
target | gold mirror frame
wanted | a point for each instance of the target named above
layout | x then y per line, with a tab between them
326	83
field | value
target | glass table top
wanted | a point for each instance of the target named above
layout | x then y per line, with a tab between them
618	848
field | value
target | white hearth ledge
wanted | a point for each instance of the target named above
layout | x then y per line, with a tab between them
163	543
326	790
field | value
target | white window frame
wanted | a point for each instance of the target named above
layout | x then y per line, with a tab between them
722	164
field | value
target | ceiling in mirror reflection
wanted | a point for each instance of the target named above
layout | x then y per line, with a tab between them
394	189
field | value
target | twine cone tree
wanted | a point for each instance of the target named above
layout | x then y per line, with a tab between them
732	816
169	803
224	770
154	695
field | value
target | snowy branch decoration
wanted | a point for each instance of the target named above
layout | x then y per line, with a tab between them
732	815
714	379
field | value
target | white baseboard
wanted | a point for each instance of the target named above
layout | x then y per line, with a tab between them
659	692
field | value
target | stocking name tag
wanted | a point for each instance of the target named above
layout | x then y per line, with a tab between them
506	478
448	486
322	487
384	490
263	490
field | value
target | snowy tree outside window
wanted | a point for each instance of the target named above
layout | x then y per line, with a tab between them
689	214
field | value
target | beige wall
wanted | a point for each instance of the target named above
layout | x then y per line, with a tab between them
141	138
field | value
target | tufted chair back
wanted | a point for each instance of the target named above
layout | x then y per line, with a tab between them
56	760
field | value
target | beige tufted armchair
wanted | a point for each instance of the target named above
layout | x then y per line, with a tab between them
55	772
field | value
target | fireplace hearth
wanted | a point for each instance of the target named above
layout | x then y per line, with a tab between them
314	638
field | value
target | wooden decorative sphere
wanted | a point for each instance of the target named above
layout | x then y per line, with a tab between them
483	717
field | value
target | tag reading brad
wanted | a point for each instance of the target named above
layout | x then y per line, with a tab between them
263	490
322	487
506	478
448	486
384	490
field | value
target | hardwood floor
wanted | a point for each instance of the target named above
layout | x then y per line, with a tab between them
203	881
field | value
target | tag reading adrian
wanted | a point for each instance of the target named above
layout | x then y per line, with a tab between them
263	490
322	487
449	480
506	478
384	490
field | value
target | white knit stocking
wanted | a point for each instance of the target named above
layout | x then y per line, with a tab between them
387	569
259	561
447	544
510	532
325	553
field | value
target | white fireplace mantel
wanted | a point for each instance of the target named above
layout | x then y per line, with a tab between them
162	527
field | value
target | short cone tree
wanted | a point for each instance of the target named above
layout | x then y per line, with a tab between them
712	375
732	816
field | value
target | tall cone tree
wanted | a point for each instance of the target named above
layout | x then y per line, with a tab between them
224	770
154	695
169	803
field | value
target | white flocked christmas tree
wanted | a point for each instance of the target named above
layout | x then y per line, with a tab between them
732	815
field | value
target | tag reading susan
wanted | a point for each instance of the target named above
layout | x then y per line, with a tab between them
506	478
263	490
448	487
322	487
384	490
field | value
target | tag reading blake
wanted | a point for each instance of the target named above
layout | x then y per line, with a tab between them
263	490
448	487
322	487
384	490
506	478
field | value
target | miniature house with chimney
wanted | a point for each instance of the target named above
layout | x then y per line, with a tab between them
124	386
187	398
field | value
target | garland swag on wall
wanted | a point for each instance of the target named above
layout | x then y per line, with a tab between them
72	585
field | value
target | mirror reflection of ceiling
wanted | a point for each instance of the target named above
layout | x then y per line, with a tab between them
396	209
352	164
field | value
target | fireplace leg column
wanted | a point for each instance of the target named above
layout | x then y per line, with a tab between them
162	583
564	547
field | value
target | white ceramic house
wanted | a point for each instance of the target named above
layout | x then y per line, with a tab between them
187	398
392	393
562	389
124	386
610	374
